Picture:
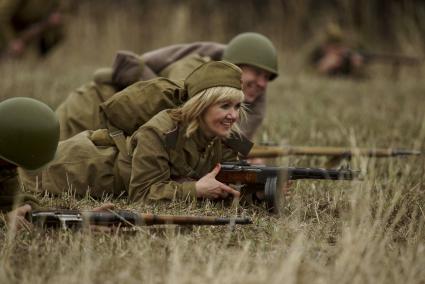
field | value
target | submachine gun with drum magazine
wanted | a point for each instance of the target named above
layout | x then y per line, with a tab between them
76	219
269	179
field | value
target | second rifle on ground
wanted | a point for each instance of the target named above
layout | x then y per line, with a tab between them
395	59
75	219
336	154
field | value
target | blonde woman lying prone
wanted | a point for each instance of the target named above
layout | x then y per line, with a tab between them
175	155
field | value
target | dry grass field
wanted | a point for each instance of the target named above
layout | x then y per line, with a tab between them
368	231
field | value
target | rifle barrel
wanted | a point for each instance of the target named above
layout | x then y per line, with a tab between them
310	173
276	151
406	152
150	219
392	57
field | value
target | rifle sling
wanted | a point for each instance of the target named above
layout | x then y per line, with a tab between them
118	137
239	143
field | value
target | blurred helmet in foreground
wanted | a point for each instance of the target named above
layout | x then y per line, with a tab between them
29	132
252	49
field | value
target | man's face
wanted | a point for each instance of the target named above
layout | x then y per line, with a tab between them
254	82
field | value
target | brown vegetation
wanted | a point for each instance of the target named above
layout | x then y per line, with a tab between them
369	231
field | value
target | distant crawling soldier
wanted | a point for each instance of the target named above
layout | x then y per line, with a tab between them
334	56
24	23
254	53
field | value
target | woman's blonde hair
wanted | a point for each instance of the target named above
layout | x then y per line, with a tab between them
191	113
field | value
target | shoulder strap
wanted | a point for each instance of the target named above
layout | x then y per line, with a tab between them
239	143
117	135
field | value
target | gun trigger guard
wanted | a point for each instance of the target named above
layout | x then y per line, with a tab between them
237	186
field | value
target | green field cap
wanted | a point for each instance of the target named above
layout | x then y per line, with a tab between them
213	74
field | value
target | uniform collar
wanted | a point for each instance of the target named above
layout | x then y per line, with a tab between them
174	139
201	140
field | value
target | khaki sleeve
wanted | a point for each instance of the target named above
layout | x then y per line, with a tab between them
150	175
7	9
156	60
80	110
255	115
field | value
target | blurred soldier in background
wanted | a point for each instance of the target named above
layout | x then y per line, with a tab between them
254	53
335	56
30	23
29	135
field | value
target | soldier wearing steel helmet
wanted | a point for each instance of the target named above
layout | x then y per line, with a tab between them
29	135
254	53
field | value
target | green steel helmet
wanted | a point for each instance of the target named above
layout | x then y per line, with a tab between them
252	49
29	132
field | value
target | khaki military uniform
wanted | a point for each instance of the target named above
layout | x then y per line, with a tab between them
157	161
80	110
10	196
17	16
80	166
160	156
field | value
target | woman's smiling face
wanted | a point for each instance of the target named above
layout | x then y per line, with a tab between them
219	118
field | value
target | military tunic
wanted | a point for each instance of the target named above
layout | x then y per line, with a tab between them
16	16
163	155
80	110
80	166
160	157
